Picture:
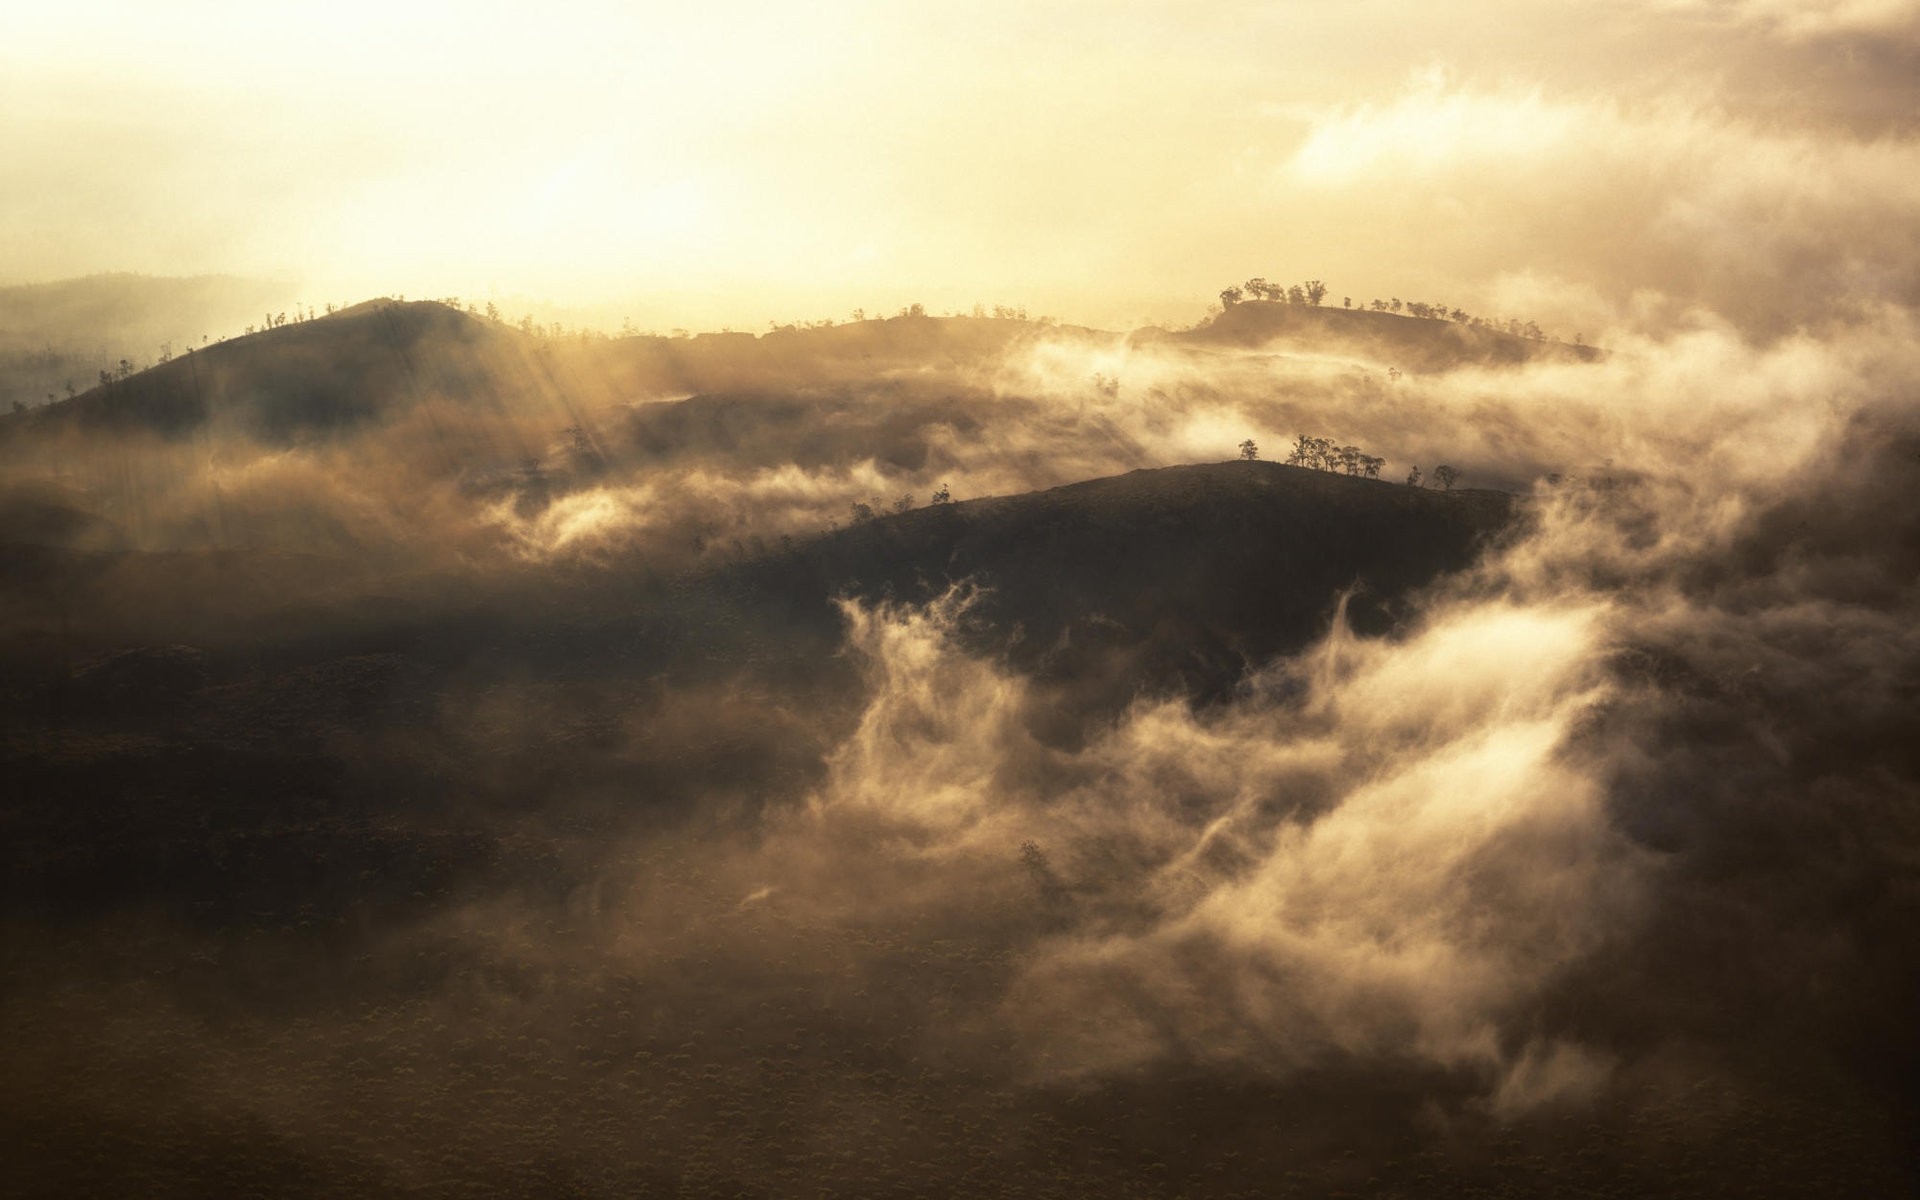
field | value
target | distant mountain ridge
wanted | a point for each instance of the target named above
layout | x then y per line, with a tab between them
335	369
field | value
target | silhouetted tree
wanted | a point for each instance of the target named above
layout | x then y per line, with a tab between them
1316	292
1249	451
860	511
1413	477
1446	475
943	496
904	503
1230	297
1314	452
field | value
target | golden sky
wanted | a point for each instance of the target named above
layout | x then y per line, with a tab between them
737	161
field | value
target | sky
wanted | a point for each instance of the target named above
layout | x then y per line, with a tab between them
1592	164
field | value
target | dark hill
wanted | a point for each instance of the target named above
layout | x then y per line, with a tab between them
1409	343
1176	578
1173	579
335	372
374	359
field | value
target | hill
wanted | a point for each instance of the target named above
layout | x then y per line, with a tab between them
57	336
335	372
1422	344
1173	579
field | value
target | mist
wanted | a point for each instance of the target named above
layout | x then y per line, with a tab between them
1046	713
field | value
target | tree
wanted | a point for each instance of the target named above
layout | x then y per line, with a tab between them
1316	292
861	511
1230	297
1248	451
1370	465
1315	452
1346	302
1446	475
904	503
943	496
1413	477
1258	288
1296	295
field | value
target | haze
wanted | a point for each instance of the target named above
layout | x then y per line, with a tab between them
735	163
1055	599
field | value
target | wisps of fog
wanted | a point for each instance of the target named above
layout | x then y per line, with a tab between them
1618	818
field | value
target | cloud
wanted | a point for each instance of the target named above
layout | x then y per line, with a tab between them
1769	226
1804	19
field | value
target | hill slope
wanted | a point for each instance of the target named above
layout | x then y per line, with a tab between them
1174	579
1409	343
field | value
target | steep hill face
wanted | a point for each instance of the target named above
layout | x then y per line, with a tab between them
1409	343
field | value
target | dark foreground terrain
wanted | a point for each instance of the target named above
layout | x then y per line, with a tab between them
347	852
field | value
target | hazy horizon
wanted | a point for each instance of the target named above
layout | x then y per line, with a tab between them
1107	164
